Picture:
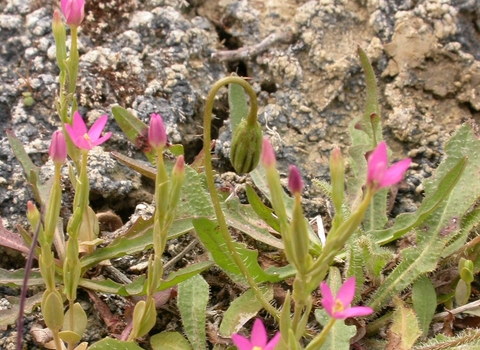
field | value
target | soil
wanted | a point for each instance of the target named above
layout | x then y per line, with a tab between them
163	55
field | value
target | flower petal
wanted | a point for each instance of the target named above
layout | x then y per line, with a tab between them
395	173
328	302
241	342
259	334
377	163
97	128
346	293
78	125
357	311
268	154
102	139
273	342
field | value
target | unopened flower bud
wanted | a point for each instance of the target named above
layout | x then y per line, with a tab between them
295	183
246	146
268	155
58	148
73	10
33	215
157	135
60	35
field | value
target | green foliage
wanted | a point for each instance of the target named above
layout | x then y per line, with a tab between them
424	300
213	240
237	103
444	221
241	310
169	341
109	344
192	300
404	330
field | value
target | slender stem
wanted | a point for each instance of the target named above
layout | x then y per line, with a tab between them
207	124
317	342
73	61
23	294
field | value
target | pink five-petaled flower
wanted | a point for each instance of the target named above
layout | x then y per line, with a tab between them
258	339
58	148
87	140
74	11
157	136
338	307
379	174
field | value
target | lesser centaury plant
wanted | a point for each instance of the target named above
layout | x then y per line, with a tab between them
357	230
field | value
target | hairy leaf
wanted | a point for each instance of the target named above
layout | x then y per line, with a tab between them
109	344
424	300
404	330
169	341
192	302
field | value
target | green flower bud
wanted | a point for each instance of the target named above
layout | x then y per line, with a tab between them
246	146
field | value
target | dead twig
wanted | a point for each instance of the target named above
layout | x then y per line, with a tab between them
252	51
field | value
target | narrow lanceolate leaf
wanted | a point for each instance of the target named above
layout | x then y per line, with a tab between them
424	300
169	341
192	302
32	172
237	102
404	330
135	130
213	240
15	278
241	310
433	234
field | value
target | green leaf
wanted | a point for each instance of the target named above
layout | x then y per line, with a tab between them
460	168
169	341
138	238
340	334
264	212
213	240
134	129
406	222
32	172
242	309
404	330
80	320
424	300
109	344
10	316
192	302
244	218
15	278
237	103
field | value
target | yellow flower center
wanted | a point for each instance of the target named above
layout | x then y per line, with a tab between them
338	306
86	137
257	348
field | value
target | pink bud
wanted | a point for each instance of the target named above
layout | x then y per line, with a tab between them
179	168
295	183
73	10
268	155
58	148
157	135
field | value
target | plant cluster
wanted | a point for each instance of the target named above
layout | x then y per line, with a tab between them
358	238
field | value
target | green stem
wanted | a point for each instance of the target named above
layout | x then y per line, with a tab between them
73	62
336	241
207	124
317	342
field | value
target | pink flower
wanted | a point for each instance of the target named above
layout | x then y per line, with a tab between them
80	137
58	148
295	183
258	339
379	175
339	307
268	155
157	135
73	10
